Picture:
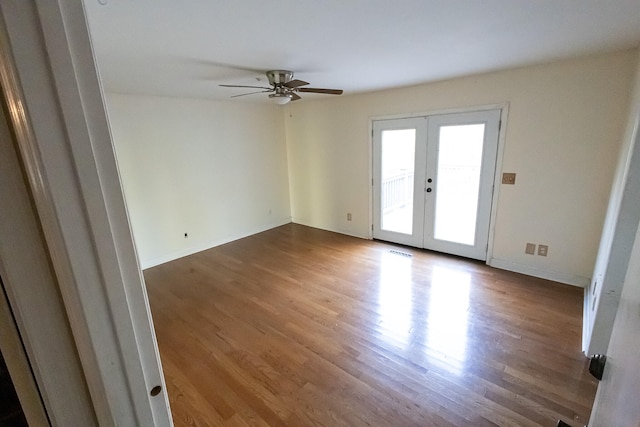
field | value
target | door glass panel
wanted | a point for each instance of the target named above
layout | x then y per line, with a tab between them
458	182
397	170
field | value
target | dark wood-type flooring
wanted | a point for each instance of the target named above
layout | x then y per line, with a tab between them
302	327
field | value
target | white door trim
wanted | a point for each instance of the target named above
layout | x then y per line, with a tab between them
56	107
497	181
34	304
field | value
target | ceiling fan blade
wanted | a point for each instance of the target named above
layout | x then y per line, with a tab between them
318	90
295	97
295	83
251	87
250	93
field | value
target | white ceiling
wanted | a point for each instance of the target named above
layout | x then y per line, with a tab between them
186	48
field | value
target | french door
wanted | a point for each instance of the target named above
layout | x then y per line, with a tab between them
433	181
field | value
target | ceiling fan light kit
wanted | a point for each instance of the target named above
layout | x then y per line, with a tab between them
280	98
284	87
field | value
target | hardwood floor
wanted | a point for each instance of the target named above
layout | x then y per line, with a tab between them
297	326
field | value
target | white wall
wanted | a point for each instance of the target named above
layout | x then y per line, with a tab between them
563	135
214	170
619	230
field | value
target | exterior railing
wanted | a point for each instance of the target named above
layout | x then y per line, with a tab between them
397	191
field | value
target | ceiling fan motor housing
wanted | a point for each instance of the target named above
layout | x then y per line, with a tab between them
279	77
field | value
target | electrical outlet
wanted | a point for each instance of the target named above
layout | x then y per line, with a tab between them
509	178
349	217
530	249
542	250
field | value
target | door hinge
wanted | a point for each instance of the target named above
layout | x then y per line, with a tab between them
372	182
500	125
371	227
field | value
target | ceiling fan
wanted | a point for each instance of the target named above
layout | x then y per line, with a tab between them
284	87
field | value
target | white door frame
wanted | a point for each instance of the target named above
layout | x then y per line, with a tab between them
504	109
56	109
18	364
34	318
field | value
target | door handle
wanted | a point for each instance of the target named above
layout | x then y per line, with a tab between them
428	190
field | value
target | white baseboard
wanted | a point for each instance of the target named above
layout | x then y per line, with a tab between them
586	322
334	230
144	264
556	276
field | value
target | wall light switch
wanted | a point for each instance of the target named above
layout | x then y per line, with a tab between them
530	249
509	178
542	250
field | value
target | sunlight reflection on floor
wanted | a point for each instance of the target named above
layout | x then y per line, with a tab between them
444	338
448	316
394	298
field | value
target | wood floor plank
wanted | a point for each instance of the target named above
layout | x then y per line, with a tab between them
303	327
